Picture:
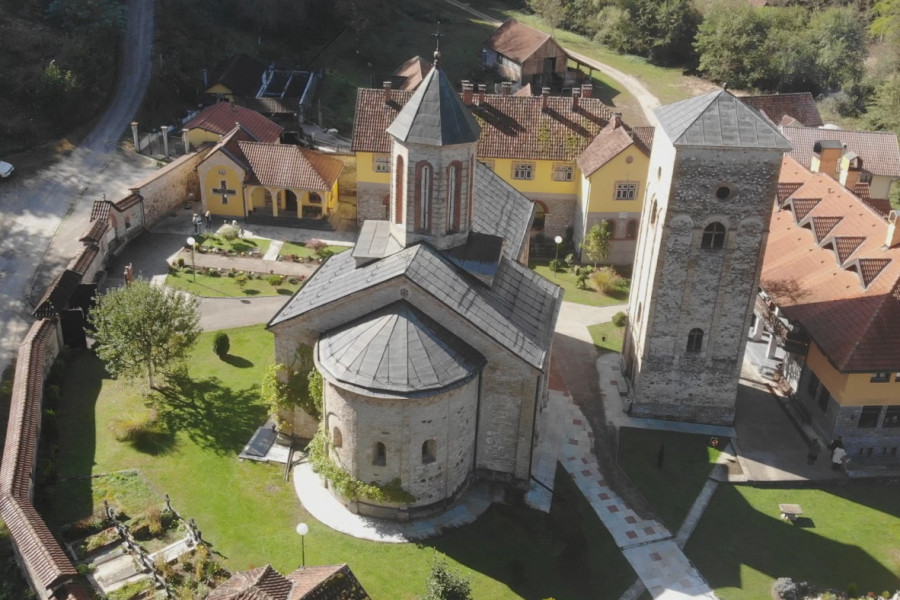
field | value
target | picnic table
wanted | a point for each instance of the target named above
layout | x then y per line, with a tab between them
790	512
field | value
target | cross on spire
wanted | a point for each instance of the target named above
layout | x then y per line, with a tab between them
437	35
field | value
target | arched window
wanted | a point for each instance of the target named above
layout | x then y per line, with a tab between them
399	176
337	440
611	227
631	229
315	198
454	181
380	456
653	212
695	340
429	451
540	215
713	236
423	196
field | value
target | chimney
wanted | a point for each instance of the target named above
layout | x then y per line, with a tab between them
387	92
576	95
616	120
587	90
507	88
850	170
482	88
826	154
893	234
467	88
545	95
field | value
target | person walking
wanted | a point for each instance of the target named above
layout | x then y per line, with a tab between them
813	453
838	456
208	220
196	221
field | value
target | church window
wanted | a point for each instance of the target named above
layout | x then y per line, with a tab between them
868	418
695	340
626	190
631	229
382	164
380	456
454	182
337	440
653	211
423	196
563	172
429	452
399	176
523	170
713	236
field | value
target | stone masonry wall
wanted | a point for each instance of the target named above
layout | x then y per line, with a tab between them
370	202
168	189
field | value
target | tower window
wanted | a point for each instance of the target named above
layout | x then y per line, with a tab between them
453	196
423	196
399	176
337	440
380	456
429	452
723	192
713	236
695	340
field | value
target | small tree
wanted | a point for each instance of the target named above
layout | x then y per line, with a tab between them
620	319
444	584
316	246
581	276
142	328
596	242
221	344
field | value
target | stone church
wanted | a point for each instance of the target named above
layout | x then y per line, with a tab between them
433	339
713	178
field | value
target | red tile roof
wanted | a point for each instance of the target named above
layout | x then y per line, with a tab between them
511	126
221	118
517	41
878	149
800	107
326	582
263	583
827	266
289	166
100	210
611	140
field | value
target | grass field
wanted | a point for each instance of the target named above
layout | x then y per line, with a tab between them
566	280
224	286
607	337
249	514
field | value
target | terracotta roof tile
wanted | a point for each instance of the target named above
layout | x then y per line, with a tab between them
221	118
100	210
290	166
785	190
518	41
611	140
802	206
878	149
511	126
821	226
263	583
325	583
800	107
45	559
851	309
94	232
81	261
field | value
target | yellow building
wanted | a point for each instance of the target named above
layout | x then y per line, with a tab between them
534	143
211	123
241	177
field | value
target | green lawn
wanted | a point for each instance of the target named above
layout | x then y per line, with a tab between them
224	286
300	249
238	245
249	514
607	337
671	489
849	536
566	280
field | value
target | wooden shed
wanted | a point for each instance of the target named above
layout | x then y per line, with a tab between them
525	55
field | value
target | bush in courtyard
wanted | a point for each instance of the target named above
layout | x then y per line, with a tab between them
240	280
229	232
606	280
570	260
316	246
180	262
581	276
275	280
130	427
556	265
620	319
221	344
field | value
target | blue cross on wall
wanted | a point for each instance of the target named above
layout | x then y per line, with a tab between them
224	191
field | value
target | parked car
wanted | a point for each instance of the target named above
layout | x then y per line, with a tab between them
6	169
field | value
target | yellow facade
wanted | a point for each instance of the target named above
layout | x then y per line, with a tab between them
219	198
852	389
220	91
600	188
542	175
365	168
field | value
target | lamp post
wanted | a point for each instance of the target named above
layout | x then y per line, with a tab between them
191	241
302	530
558	240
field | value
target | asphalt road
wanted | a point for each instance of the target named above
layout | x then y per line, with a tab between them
42	217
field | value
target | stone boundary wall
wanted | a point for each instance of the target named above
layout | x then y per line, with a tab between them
42	558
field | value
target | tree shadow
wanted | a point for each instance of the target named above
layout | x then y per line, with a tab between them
284	292
214	416
251	292
237	361
154	441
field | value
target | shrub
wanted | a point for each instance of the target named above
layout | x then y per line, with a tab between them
221	344
620	319
606	280
275	280
180	262
229	232
570	260
316	246
556	265
214	273
240	280
581	276
130	427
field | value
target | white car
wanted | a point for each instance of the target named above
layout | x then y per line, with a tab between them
6	169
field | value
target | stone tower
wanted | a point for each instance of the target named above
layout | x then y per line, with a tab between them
713	176
435	140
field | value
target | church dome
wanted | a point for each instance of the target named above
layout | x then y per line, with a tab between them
397	349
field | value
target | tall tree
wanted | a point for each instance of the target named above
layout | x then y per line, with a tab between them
551	11
596	242
731	44
144	329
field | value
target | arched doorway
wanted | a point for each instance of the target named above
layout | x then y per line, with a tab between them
290	202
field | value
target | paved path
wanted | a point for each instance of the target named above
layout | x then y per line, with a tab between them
645	98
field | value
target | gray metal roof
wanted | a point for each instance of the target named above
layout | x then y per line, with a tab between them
502	211
397	349
718	119
479	256
435	115
518	310
375	241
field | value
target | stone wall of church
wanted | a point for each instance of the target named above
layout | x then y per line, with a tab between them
370	204
428	443
683	287
167	190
